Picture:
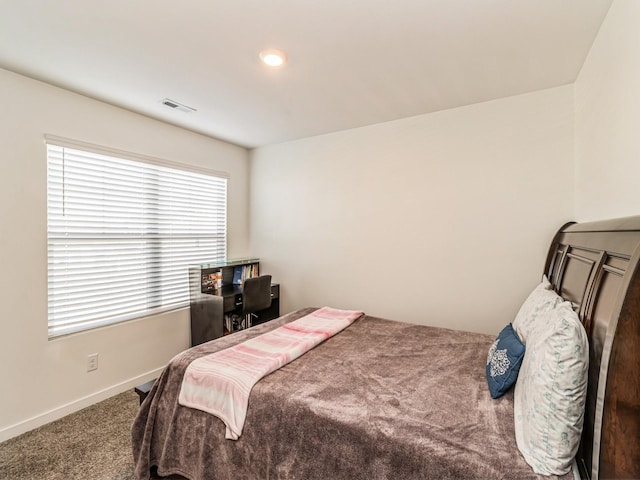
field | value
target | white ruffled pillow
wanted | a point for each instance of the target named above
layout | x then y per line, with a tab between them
541	300
550	393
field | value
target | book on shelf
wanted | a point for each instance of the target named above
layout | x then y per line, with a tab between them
242	272
237	275
234	322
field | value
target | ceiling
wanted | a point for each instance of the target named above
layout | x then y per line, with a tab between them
350	62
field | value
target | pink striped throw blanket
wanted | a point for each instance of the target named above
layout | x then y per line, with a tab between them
220	383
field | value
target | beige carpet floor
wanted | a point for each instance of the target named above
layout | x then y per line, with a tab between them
92	444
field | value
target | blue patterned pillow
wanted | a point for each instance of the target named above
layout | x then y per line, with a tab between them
503	361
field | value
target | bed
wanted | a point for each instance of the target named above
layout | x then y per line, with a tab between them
389	400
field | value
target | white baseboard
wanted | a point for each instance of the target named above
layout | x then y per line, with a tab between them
59	412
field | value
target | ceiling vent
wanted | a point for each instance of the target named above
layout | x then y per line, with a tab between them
167	102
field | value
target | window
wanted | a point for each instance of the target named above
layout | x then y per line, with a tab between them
122	231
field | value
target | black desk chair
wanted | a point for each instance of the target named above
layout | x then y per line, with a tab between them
256	296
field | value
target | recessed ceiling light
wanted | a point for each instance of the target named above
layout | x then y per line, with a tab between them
273	58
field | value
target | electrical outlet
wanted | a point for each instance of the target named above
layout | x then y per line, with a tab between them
92	362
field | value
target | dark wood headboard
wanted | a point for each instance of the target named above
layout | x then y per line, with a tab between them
595	267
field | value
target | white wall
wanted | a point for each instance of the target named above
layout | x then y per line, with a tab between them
607	133
441	219
40	379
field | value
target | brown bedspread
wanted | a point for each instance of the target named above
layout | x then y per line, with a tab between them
380	400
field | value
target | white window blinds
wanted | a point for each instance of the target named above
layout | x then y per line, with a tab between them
121	234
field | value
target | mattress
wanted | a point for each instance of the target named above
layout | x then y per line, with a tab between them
382	399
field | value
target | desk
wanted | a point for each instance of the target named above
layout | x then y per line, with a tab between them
209	305
208	311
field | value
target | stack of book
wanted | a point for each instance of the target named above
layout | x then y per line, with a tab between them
234	322
242	272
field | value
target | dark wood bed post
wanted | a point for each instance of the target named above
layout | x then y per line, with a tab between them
620	433
596	267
